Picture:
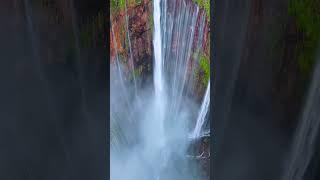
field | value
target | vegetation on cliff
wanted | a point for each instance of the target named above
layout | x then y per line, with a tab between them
203	71
205	68
140	26
204	4
118	5
307	17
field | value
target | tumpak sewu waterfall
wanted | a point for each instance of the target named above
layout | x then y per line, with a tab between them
153	127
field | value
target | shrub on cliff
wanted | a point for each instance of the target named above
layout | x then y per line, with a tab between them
307	17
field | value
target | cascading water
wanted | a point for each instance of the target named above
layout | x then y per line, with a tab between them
202	114
158	76
160	97
150	135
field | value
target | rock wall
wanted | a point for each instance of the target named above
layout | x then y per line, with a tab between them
140	26
140	33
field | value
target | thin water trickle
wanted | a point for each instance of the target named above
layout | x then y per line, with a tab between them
130	49
202	114
157	44
120	75
159	85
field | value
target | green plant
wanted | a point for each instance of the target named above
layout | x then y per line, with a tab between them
117	5
203	71
205	68
307	16
151	22
113	5
122	4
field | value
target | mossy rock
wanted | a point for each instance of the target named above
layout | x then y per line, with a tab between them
205	68
202	73
117	5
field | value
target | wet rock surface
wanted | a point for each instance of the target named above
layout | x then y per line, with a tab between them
140	34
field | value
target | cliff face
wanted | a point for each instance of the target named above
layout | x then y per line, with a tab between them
132	39
139	31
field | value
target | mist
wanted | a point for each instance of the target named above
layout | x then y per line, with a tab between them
139	145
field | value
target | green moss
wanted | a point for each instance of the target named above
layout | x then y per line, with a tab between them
113	5
307	16
122	4
151	22
203	72
205	68
117	5
204	4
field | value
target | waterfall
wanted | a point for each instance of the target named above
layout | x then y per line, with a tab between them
202	114
157	44
154	145
155	142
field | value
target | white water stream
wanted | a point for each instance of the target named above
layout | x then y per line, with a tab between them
202	114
